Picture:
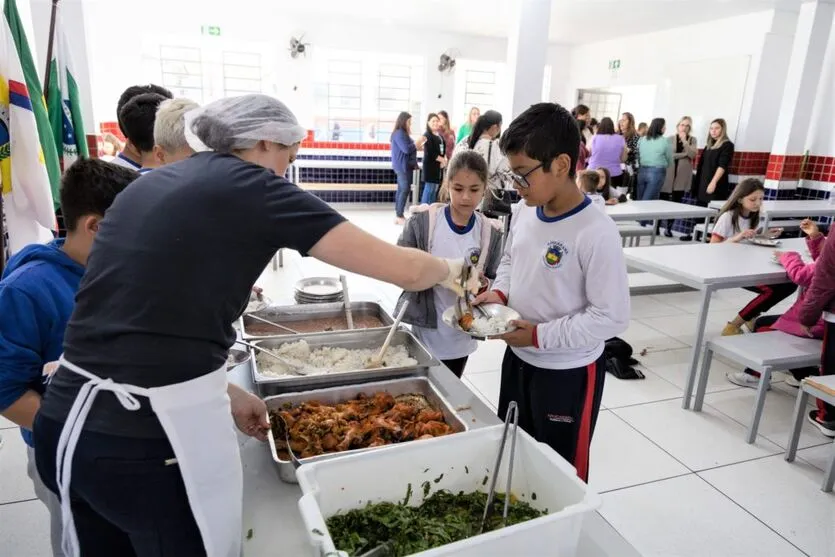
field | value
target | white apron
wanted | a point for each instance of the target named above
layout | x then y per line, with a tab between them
196	417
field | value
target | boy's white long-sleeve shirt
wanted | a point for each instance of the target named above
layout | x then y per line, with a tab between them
568	275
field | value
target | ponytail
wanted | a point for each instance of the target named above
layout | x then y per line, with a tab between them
484	123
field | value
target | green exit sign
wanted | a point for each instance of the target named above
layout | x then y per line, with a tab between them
211	30
614	64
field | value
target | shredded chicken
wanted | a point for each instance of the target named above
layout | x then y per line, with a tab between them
381	419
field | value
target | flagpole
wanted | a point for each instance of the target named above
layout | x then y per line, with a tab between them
49	46
2	240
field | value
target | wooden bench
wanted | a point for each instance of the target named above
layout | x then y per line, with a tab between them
764	352
824	389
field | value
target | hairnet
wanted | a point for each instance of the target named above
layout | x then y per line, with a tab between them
235	123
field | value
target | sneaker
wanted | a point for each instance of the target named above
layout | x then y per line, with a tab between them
744	379
730	330
827	428
750	325
791	381
687	238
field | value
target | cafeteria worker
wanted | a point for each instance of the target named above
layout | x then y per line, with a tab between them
135	430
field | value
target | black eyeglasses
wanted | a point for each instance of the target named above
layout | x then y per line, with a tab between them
522	179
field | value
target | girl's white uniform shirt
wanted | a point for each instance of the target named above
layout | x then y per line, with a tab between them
451	242
724	227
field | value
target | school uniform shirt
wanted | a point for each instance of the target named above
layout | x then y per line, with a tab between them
122	160
597	200
566	273
450	241
724	227
170	271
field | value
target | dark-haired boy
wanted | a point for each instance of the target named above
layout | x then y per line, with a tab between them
130	155
137	119
37	295
563	271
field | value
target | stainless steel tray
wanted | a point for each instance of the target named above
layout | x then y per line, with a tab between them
285	315
366	338
333	395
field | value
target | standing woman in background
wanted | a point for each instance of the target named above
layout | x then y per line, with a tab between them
403	161
467	128
447	133
608	150
711	181
680	174
655	155
434	159
626	128
485	141
582	114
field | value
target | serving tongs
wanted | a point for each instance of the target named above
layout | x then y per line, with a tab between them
512	414
286	428
466	299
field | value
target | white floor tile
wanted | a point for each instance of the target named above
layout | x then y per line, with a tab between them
686	517
677	375
487	385
488	357
643	337
648	306
786	497
699	440
15	485
683	327
24	530
776	421
627	392
622	457
819	456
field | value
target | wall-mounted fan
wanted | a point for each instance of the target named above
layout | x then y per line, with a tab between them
297	47
446	63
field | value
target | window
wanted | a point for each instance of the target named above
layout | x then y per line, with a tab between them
480	89
600	103
394	92
241	73
182	71
344	100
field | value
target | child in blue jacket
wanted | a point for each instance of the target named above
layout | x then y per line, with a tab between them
37	294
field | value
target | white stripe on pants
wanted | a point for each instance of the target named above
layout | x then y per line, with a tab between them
49	499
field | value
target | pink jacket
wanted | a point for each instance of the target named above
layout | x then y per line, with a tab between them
801	274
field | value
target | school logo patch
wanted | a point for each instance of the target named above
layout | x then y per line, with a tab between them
474	254
554	254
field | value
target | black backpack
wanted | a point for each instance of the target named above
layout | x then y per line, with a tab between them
619	360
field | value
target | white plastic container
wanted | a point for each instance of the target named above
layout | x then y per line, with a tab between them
458	462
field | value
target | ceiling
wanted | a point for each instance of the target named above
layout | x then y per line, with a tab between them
572	21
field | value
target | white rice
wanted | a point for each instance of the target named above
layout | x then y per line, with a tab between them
486	327
328	359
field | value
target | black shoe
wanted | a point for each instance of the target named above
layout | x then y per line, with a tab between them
668	233
687	238
827	428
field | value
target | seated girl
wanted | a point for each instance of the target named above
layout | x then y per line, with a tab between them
801	274
739	220
604	188
456	229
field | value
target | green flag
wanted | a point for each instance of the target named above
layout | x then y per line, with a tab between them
64	102
33	84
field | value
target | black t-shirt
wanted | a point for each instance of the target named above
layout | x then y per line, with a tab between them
170	270
432	149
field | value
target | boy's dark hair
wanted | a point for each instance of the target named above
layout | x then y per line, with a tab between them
543	132
588	181
137	118
135	91
89	186
656	128
606	127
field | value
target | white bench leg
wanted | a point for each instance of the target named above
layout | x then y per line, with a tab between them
707	359
281	258
697	348
762	389
623	241
799	411
637	241
275	262
829	478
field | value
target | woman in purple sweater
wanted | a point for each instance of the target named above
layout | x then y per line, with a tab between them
608	150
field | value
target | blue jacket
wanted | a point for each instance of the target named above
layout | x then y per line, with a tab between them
37	294
403	152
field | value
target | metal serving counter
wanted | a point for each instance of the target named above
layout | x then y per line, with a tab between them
273	526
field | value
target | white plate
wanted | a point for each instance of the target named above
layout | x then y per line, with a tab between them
764	242
494	310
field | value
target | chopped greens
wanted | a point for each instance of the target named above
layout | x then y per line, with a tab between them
426	487
443	518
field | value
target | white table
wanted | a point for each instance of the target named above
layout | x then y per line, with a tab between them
776	209
271	506
656	210
711	267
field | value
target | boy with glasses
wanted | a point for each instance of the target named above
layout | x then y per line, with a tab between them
563	271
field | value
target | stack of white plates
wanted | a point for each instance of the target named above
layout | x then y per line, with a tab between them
319	290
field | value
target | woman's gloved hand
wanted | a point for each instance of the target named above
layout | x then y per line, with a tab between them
457	268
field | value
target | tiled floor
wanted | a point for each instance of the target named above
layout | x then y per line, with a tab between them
674	482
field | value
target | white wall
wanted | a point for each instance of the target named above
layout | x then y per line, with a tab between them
654	60
821	139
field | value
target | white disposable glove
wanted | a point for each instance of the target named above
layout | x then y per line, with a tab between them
453	279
